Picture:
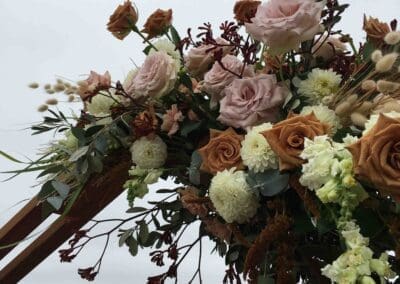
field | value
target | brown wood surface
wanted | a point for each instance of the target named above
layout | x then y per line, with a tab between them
21	225
100	190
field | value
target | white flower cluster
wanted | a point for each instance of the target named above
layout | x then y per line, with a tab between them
232	196
149	153
325	115
100	105
319	85
256	152
328	170
374	119
70	142
357	263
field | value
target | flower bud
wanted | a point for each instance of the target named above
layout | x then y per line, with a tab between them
385	64
392	38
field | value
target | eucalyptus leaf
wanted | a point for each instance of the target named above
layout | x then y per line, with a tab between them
124	237
268	183
62	188
55	201
46	190
133	245
194	169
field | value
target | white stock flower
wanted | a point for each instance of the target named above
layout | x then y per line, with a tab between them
232	196
256	152
319	84
325	115
149	153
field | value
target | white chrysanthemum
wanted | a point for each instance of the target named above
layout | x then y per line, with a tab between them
374	119
232	196
325	115
100	105
319	84
149	153
168	47
256	152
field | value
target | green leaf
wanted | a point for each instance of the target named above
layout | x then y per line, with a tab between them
147	49
55	201
194	169
7	156
268	183
186	81
133	245
189	127
367	51
136	209
79	133
79	153
93	130
46	190
124	237
101	144
62	188
143	232
51	170
175	35
95	164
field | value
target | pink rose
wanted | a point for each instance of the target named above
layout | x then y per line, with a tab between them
218	78
171	120
284	24
199	59
328	47
251	101
93	84
156	77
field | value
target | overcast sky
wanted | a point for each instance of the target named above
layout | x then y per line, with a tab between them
43	39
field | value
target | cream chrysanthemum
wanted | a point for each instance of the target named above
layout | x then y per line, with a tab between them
100	105
232	196
374	118
149	153
325	115
256	152
168	47
319	84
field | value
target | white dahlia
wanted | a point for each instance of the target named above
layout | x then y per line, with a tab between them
325	115
256	152
149	153
319	84
232	196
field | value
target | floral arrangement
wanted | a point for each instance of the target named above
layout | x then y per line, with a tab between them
281	133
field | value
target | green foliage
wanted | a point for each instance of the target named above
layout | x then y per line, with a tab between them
269	182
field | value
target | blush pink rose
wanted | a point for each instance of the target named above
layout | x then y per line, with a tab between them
200	59
326	47
156	77
94	83
218	78
251	101
171	120
284	24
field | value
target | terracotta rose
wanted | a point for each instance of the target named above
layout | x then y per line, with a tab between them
222	151
376	156
122	20
375	29
157	23
244	10
286	138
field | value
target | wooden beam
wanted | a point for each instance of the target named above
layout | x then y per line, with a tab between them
100	190
21	225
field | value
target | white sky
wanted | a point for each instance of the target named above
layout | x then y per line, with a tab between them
42	39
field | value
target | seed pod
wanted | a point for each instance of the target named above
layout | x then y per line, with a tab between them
52	102
368	85
365	107
358	119
384	86
392	38
42	108
376	55
352	99
71	98
343	108
33	85
385	64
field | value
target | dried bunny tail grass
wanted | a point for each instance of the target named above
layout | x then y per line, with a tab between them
376	55
277	226
33	85
368	85
358	119
42	108
385	64
51	102
385	87
392	38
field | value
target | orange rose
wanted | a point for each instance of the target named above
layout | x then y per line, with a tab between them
122	20
375	30
222	151
157	23
244	10
376	156
287	138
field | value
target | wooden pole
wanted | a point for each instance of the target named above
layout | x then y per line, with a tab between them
100	190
